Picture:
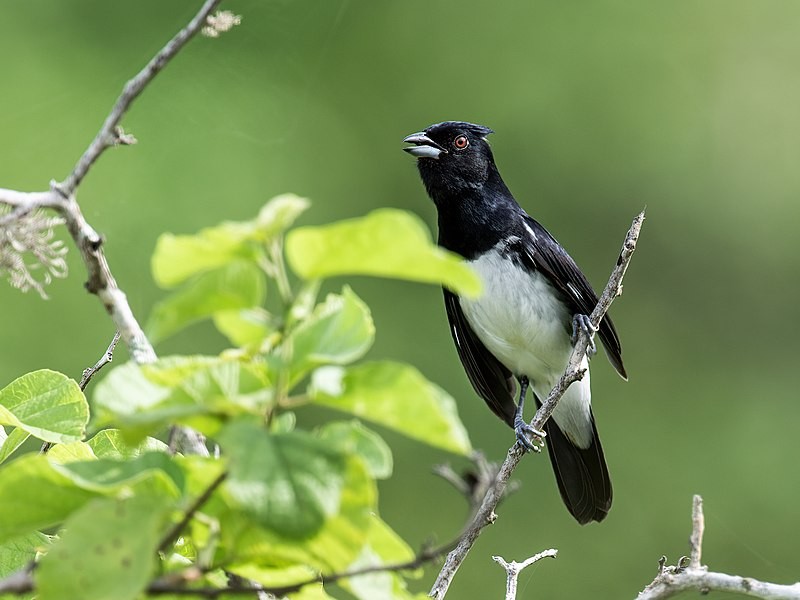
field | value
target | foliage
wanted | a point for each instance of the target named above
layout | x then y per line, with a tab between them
291	503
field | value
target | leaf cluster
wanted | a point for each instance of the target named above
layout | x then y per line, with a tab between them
275	503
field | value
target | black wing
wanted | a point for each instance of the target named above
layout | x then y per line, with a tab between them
493	382
548	257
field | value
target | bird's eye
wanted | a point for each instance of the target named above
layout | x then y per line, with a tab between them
461	142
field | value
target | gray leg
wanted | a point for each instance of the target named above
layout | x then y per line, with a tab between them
582	322
529	438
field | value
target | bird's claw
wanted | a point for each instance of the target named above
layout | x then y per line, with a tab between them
584	323
531	439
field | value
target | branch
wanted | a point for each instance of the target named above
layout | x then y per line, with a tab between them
62	196
18	583
87	375
173	534
107	357
572	373
109	135
172	585
473	483
513	569
671	581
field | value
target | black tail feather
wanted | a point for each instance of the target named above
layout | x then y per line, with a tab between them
582	474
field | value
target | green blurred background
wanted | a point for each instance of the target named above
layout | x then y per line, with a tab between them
601	108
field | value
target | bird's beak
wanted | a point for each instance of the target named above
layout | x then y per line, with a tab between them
424	147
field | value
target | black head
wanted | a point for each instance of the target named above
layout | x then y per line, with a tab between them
452	156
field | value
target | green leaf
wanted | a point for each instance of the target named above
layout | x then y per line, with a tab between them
46	404
12	441
275	576
197	391
239	284
277	215
110	443
107	550
17	553
352	437
397	396
72	452
385	243
331	549
338	331
383	547
153	471
33	495
128	398
290	482
178	257
245	326
315	591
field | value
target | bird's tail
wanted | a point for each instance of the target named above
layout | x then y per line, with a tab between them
581	473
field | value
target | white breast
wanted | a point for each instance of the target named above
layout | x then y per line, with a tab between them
520	319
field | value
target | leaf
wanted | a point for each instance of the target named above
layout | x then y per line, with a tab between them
289	483
277	215
385	243
107	550
394	395
338	331
330	549
315	591
244	326
17	553
352	437
178	257
193	390
72	452
33	495
110	443
46	404
11	442
237	285
153	471
271	577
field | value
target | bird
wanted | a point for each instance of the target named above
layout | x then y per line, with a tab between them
523	326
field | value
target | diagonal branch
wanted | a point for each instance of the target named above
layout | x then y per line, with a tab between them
486	515
109	135
62	196
173	534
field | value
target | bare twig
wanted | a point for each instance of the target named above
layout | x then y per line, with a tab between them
692	575
474	482
62	196
109	135
698	527
572	373
174	533
18	583
513	569
107	357
104	360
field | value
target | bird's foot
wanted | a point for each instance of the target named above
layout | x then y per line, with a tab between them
582	322
531	439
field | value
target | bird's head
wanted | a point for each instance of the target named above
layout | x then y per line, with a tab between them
452	156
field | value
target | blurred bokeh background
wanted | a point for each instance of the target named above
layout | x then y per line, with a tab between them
600	109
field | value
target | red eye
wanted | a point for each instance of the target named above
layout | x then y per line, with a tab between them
461	142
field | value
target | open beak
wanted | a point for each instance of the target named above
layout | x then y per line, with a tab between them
424	147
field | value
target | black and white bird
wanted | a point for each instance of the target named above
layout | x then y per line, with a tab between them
522	328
